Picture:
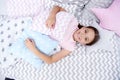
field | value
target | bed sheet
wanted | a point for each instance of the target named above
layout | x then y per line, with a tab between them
100	64
2	7
97	65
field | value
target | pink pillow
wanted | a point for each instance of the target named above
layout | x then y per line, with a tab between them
110	17
20	8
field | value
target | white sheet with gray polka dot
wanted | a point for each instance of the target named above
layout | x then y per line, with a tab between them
10	30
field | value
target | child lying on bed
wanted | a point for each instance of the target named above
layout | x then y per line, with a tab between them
77	33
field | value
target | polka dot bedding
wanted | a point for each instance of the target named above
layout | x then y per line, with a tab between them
10	29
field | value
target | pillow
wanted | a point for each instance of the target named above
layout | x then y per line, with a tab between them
110	17
72	6
99	3
20	8
43	42
87	17
68	7
10	29
104	43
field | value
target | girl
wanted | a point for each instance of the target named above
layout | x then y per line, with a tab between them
84	35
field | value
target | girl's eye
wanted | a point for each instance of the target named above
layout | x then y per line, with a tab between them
86	39
86	31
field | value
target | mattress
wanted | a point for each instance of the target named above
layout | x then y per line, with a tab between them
98	62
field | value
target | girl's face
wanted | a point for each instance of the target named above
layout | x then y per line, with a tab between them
84	35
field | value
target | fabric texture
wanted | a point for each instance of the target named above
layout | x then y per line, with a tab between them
43	42
99	3
22	8
10	30
105	38
64	21
81	64
109	17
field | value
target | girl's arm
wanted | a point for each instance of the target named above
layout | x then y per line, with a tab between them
55	10
48	59
50	22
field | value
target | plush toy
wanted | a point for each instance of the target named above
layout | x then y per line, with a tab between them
43	42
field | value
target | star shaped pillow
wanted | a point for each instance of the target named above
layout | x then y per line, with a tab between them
109	17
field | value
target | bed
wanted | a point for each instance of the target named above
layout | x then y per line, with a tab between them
98	62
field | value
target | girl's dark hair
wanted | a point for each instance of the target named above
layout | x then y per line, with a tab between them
80	26
97	36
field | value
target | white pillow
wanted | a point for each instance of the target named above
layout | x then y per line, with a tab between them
104	42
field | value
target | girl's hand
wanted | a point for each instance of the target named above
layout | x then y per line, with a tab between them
50	22
30	44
